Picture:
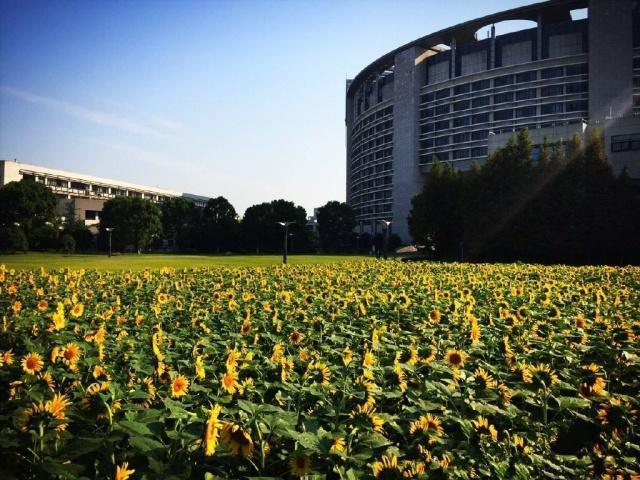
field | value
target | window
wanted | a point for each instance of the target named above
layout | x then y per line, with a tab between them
529	76
444	93
426	113
479	151
526	94
463	105
90	215
502	81
503	97
461	137
428	128
502	115
442	141
480	135
442	155
480	118
441	125
577	87
636	62
526	112
427	97
480	85
553	72
579	69
462	153
462	121
442	109
480	101
552	90
551	108
625	143
577	106
426	143
460	89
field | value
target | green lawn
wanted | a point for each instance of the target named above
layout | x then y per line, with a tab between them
140	262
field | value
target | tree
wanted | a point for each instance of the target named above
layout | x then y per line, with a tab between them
181	222
34	207
136	222
261	232
336	221
219	225
82	236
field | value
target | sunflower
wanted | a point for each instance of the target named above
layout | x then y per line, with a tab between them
369	359
300	464
245	329
387	468
455	358
230	382
163	298
520	445
483	427
364	416
296	337
237	439
43	305
212	430
592	381
543	374
50	413
179	386
427	425
32	363
347	356
71	354
484	379
123	472
232	359
338	446
404	301
7	357
77	310
323	371
199	366
435	316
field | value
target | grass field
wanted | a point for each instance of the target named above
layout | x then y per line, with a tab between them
140	262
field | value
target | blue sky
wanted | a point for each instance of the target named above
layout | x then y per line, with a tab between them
243	99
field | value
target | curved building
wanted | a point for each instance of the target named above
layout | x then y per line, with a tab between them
458	97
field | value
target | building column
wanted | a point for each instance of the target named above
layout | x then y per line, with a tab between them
407	180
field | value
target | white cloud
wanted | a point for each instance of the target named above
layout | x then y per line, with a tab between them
93	116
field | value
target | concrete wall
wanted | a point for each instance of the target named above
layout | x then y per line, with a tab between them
407	180
610	59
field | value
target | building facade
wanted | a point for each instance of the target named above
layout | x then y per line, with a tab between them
457	97
85	194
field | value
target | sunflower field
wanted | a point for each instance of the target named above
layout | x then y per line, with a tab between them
367	369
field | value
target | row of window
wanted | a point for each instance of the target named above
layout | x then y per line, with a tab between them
375	182
370	158
510	79
505	114
383	208
625	143
372	118
371	144
457	138
459	154
382	167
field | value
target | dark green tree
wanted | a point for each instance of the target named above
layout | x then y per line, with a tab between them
181	222
136	222
261	232
336	221
220	226
34	207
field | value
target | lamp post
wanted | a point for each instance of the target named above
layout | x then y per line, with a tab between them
109	229
387	224
285	225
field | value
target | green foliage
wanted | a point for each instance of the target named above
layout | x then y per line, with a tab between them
136	222
180	222
562	209
335	225
67	243
261	232
31	205
220	226
13	239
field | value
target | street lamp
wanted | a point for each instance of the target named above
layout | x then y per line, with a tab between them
16	224
110	229
285	225
387	224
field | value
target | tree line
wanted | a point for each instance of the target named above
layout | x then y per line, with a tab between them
29	220
566	207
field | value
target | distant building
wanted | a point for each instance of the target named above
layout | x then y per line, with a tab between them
457	97
86	194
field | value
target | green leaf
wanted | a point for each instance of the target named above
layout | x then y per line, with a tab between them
145	444
307	440
133	428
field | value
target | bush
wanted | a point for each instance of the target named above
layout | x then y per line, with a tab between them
68	243
13	239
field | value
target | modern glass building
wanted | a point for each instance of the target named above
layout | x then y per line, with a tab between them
453	95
